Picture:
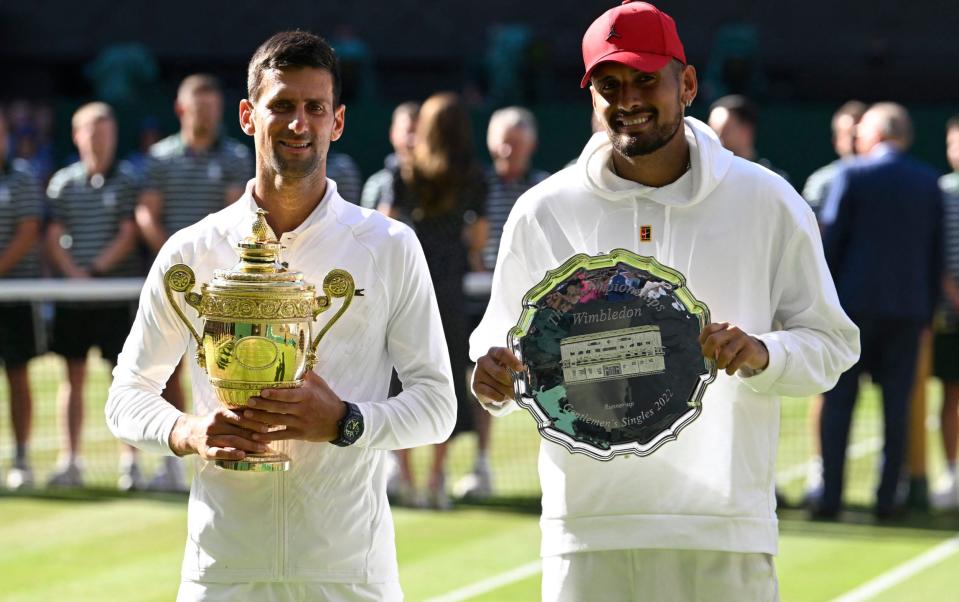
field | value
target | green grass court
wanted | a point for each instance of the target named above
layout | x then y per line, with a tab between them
95	544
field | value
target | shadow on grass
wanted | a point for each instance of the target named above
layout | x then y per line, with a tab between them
859	522
515	505
94	494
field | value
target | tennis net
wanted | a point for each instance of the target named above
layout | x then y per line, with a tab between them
515	441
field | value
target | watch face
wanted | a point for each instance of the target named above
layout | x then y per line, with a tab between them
351	430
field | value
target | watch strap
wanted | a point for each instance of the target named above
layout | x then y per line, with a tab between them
350	427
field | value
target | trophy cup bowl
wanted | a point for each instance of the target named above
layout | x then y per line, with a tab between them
258	320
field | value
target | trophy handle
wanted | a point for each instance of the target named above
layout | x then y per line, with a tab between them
180	278
338	283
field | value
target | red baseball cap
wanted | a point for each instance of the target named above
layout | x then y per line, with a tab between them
636	34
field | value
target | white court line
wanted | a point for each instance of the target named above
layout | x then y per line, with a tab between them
854	452
857	450
904	571
487	585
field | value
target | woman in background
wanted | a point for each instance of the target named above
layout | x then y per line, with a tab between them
441	194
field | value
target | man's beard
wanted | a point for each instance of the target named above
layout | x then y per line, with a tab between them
296	168
640	145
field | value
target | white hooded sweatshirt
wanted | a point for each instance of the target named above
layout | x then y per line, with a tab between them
749	248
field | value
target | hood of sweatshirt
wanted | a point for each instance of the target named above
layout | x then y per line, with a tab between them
709	162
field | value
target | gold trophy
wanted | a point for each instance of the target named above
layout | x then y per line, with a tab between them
257	326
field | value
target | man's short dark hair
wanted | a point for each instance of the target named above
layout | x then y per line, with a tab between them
677	66
198	83
292	50
952	123
739	107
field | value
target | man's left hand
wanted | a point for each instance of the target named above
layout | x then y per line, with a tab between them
733	349
309	413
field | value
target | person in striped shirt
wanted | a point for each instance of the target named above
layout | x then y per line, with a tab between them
945	494
192	173
21	216
91	234
196	171
511	139
342	169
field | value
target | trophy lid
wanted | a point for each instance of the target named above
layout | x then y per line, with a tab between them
259	263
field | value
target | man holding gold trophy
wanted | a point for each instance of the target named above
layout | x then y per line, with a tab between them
288	499
654	266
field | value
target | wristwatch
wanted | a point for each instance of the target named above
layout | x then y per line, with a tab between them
350	428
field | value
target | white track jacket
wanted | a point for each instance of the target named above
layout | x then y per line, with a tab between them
327	519
750	249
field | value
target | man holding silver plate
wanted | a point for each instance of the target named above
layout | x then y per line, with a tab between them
289	493
655	300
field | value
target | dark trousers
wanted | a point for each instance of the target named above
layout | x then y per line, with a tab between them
889	352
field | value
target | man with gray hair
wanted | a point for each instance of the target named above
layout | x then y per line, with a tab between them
511	139
883	240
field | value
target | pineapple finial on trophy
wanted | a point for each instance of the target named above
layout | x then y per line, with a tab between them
262	232
260	252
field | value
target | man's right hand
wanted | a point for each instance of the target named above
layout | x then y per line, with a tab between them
219	435
493	378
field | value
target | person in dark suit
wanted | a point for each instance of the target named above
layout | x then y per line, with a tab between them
883	241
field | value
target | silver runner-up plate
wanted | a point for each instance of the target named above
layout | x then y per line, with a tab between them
611	346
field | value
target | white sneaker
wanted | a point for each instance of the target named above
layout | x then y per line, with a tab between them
402	493
68	475
437	498
812	491
169	477
394	478
131	479
476	485
945	495
20	477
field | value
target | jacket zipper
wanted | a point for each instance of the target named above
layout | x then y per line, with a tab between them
279	571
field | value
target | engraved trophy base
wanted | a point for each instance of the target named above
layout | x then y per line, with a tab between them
266	462
237	393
